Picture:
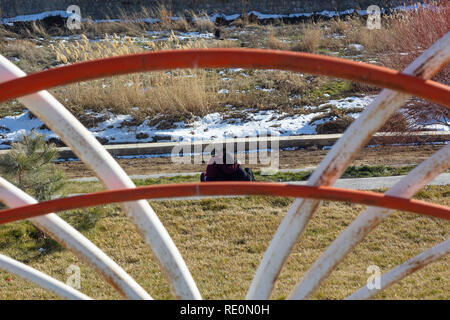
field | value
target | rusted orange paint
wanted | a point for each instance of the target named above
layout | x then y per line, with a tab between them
224	188
228	58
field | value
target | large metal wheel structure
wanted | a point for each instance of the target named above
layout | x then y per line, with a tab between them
414	80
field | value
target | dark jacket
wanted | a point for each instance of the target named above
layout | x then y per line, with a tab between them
226	172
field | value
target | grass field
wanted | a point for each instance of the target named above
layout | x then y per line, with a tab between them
352	172
223	240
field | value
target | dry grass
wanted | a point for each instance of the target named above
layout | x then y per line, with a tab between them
181	24
376	41
412	33
178	92
223	240
202	22
306	37
30	56
165	17
311	38
24	49
274	43
187	93
340	26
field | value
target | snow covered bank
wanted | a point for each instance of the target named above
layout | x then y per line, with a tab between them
214	17
212	126
116	129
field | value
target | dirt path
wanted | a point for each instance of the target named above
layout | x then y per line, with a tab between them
391	155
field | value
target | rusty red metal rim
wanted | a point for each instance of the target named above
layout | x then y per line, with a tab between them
223	189
227	58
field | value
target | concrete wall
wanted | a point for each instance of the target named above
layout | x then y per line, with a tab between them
99	9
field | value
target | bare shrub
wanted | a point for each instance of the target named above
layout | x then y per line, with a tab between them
418	29
311	39
340	26
202	22
25	50
412	33
165	17
397	123
338	125
180	24
140	95
276	44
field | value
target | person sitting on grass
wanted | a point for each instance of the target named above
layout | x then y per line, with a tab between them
224	167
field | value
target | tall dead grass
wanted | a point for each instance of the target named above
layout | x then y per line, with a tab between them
201	22
274	43
311	39
165	17
175	93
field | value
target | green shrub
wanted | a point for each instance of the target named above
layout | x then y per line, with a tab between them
28	165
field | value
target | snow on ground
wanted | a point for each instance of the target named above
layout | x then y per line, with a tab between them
427	121
164	35
212	126
229	17
35	17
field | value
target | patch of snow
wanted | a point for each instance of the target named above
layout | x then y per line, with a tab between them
429	121
265	89
35	17
226	17
214	17
437	127
193	35
356	47
352	102
212	126
335	36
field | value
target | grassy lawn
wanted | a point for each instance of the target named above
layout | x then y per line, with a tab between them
222	242
351	172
